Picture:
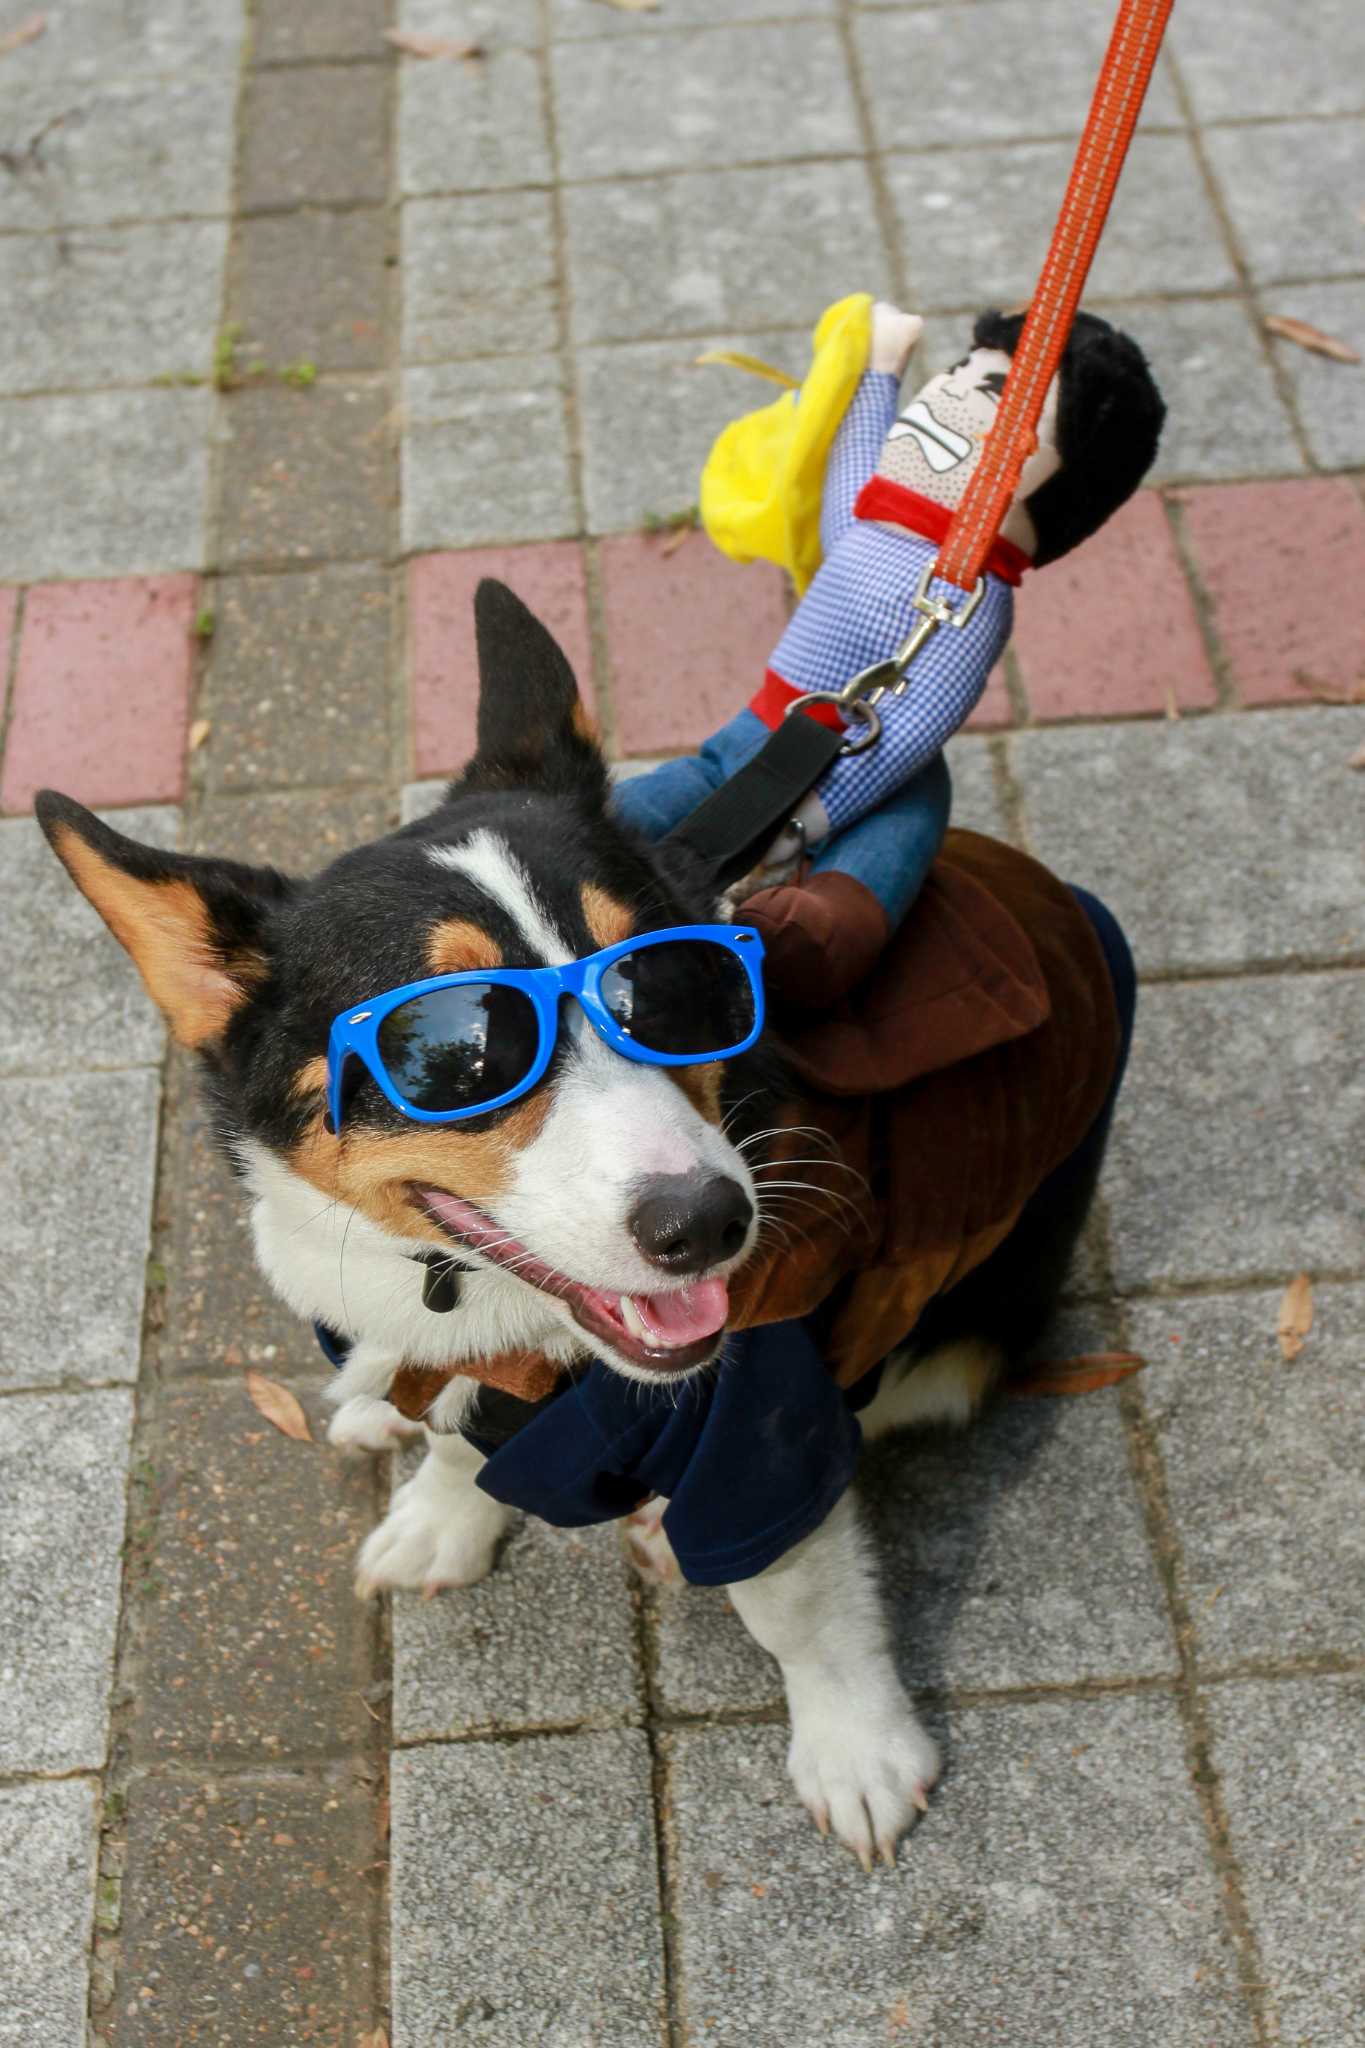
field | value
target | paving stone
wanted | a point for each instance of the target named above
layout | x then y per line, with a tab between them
418	799
297	683
1058	1890
688	634
1279	653
442	662
976	796
1288	189
1315	69
48	1842
295	31
101	692
69	995
961	252
994	709
649	415
1223	414
1240	1133
668	256
313	287
115	152
299	833
248	1913
1112	628
542	1850
1330	396
63	1472
254	1644
136	39
75	1213
314	134
588	18
103	483
480	275
1145	815
548	1637
681	103
1032	74
486	453
473	127
1261	1467
1289	1757
111	305
495	22
306	474
9	611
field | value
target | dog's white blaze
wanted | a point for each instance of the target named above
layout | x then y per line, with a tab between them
490	862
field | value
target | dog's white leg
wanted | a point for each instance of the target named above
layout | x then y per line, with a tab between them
947	1386
651	1553
858	1758
366	1424
440	1530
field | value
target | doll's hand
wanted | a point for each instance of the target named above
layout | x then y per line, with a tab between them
894	335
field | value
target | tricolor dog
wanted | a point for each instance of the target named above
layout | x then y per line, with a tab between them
497	1090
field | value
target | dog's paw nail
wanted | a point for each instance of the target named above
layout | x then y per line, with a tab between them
918	1796
431	1588
820	1815
888	1852
365	1589
864	1856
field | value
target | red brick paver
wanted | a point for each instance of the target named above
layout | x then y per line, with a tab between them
1284	568
102	692
688	634
442	665
1112	629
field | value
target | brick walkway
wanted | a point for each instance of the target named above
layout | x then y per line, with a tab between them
304	337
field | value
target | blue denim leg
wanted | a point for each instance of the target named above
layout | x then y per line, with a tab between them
660	799
891	850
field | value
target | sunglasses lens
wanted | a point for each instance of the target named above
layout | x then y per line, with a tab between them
461	1046
686	996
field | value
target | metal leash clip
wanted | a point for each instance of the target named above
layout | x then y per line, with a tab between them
863	692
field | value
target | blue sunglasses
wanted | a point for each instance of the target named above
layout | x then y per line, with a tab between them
462	1044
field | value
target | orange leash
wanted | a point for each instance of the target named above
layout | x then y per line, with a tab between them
1119	94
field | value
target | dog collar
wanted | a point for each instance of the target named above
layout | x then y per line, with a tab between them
895	505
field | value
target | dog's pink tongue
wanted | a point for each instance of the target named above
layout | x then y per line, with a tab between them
686	1315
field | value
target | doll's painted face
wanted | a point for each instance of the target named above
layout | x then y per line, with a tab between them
935	443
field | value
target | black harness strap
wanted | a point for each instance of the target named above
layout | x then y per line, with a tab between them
732	826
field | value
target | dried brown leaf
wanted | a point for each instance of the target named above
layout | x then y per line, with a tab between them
279	1406
1172	708
1357	759
1082	1375
678	538
1296	1315
414	45
1304	335
633	6
26	32
199	732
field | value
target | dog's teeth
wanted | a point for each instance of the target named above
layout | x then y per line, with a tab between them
633	1320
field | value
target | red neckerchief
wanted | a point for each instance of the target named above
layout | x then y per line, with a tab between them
898	506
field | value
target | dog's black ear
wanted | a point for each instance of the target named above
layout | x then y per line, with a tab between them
533	729
193	927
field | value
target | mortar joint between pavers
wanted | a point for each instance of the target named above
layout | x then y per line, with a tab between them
1173	505
883	204
646	1608
9	681
570	398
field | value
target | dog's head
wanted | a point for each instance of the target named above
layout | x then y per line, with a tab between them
609	1200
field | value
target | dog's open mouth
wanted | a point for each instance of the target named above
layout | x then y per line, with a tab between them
665	1332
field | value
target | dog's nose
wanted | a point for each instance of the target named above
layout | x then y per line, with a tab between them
686	1222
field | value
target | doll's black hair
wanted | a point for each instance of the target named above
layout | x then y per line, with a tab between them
1109	415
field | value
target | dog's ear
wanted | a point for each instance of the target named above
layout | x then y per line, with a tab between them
533	730
193	927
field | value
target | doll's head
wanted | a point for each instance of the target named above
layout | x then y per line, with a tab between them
1097	435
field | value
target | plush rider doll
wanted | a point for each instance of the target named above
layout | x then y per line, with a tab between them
853	495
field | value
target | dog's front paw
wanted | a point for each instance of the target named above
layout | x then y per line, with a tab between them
433	1536
861	1764
365	1424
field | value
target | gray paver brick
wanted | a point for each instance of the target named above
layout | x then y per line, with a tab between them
480	275
590	18
976	799
297	686
88	45
103	483
314	134
1192	831
649	416
1224	417
116	152
1058	1890
472	127
1289	1757
547	1637
1240	1133
485	453
498	23
69	994
283	31
672	255
111	305
300	834
942	75
47	1872
306	474
1309	63
1289	191
1330	396
1262	1468
974	224
540	1851
63	1475
680	103
314	286
75	1215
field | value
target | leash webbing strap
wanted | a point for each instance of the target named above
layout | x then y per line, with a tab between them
1119	93
730	828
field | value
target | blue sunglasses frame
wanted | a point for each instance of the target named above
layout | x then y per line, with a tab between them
355	1033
